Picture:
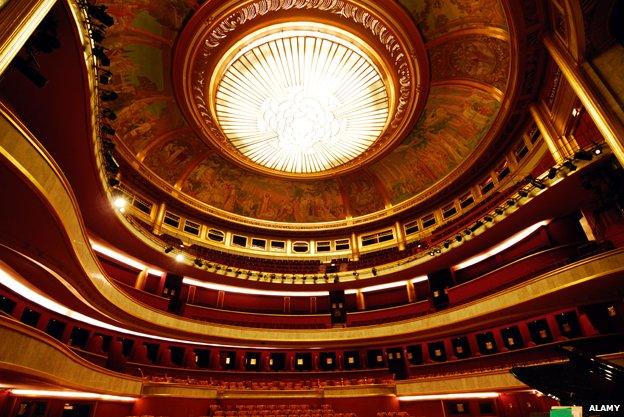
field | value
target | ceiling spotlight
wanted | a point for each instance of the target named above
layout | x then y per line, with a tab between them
168	249
597	150
499	211
108	144
431	253
100	54
458	238
570	165
99	13
110	162
487	218
374	271
467	232
106	77
107	130
198	262
538	184
447	244
583	155
552	173
108	95
109	114
179	257
437	250
97	34
120	203
511	202
113	182
523	193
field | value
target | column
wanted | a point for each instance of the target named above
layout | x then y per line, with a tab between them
139	284
548	132
400	236
159	218
161	284
360	301
608	125
411	291
355	248
18	20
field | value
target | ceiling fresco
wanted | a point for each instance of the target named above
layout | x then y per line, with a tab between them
469	54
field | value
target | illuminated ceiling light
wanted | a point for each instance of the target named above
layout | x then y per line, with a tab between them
597	150
9	280
501	246
179	257
126	260
252	291
120	203
70	395
458	396
302	100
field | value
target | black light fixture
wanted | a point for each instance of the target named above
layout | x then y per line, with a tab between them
108	144
570	165
458	238
100	54
108	95
447	244
552	173
113	182
99	13
109	114
168	249
111	163
97	34
583	155
487	218
374	271
538	184
198	262
467	232
105	77
511	202
30	69
523	193
107	130
499	211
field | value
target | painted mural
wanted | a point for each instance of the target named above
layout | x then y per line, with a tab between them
172	158
479	58
438	17
221	184
455	120
363	193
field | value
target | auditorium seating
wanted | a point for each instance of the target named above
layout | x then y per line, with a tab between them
276	410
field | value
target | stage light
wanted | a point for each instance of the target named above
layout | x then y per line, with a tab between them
488	218
168	249
97	34
99	13
523	193
108	95
583	155
111	163
107	130
106	77
100	54
467	232
597	150
447	244
538	184
570	165
437	250
499	211
459	238
552	173
108	144
374	271
113	182
120	203
109	114
198	263
511	202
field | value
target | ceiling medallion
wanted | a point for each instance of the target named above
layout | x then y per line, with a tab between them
301	88
300	98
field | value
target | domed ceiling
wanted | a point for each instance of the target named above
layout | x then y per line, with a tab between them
436	91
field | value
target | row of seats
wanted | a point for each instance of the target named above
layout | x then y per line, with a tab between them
276	410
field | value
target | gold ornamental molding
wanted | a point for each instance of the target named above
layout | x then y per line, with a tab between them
500	380
386	34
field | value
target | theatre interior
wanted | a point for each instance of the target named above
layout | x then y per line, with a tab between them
422	216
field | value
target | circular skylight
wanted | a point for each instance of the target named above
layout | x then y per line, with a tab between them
301	101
